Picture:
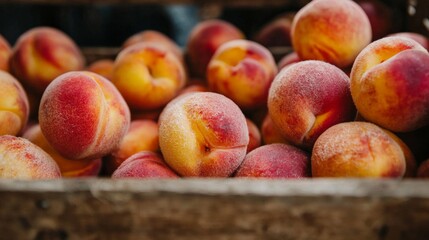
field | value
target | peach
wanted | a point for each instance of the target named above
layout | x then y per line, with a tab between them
357	149
417	142
21	159
276	32
14	105
43	53
141	136
103	67
83	115
203	134
68	167
254	135
5	53
270	132
423	169
410	161
148	76
243	71
145	164
307	98
196	86
390	84
381	17
333	31
276	160
157	37
420	38
288	59
203	41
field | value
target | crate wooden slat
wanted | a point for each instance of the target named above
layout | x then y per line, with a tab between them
214	209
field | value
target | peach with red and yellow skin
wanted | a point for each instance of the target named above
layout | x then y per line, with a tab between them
423	169
255	138
270	132
14	105
43	53
148	76
276	33
381	17
307	98
103	67
5	53
276	160
83	115
410	161
153	36
21	159
203	41
288	59
141	136
203	134
421	39
243	71
390	84
333	31
68	167
357	149
144	164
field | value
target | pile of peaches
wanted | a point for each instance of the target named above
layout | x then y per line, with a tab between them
347	101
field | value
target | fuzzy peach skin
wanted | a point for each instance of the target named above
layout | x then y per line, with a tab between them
83	115
68	167
141	136
255	138
276	32
243	71
420	38
14	105
276	160
148	76
154	36
104	67
203	134
270	132
5	53
357	149
43	53
334	31
144	164
390	84
307	98
203	41
21	159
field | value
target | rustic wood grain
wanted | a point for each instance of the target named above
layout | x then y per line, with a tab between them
214	209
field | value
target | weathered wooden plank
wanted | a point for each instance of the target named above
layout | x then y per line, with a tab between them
214	209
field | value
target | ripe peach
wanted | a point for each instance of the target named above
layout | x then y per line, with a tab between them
276	160
43	53
203	134
243	71
104	67
381	17
14	106
307	98
423	169
420	38
254	135
204	40
270	132
334	31
276	32
194	87
145	164
68	167
141	136
390	84
153	36
288	59
148	76
21	159
410	161
5	53
357	149
83	115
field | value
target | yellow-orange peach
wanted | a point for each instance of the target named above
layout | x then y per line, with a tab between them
357	149
148	76
68	167
254	135
276	160
307	98
243	71
410	161
203	41
141	136
203	134
21	159
276	32
43	53
334	31
144	164
104	67
83	115
5	53
14	106
390	84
